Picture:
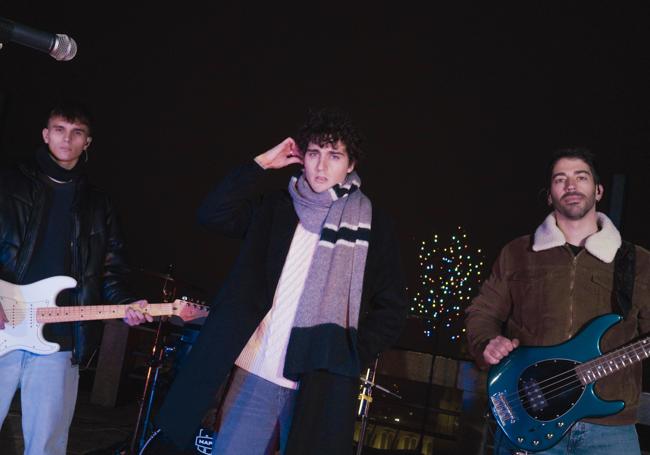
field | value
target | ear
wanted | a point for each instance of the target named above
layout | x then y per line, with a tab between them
46	135
89	139
351	167
599	192
549	201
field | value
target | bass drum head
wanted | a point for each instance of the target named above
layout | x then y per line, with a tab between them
157	444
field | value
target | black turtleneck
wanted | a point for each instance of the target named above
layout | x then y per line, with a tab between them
52	250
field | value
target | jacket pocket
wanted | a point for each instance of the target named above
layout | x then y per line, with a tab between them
528	293
603	284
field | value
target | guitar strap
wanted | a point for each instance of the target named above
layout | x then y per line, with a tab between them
624	271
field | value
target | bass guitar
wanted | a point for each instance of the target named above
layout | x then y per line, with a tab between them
29	307
536	394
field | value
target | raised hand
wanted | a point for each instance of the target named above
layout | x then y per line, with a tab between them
282	155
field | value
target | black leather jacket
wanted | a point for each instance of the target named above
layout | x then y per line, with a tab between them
97	248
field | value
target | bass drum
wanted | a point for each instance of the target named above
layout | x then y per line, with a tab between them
157	444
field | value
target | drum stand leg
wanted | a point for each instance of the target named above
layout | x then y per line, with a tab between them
158	353
364	404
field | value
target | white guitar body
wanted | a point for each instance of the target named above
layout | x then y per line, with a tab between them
20	303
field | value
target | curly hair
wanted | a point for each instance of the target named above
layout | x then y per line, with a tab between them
327	126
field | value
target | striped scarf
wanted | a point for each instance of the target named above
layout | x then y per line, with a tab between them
324	332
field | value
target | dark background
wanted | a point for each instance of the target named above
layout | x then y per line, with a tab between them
461	106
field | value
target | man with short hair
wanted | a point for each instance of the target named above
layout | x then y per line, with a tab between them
316	293
544	288
53	222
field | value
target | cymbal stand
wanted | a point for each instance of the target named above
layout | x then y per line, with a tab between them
158	353
365	398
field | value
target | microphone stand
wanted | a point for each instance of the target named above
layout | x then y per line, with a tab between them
158	353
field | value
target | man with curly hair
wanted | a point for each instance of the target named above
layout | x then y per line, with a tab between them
316	293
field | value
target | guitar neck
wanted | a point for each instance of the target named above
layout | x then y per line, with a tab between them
97	312
614	361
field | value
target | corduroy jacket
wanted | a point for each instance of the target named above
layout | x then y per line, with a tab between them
324	417
542	294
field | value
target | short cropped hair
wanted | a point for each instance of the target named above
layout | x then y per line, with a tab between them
73	113
580	153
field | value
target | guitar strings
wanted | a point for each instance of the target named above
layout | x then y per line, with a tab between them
552	390
604	359
548	394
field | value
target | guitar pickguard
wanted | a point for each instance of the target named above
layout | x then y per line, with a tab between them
547	391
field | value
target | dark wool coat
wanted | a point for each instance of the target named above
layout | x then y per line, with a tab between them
325	407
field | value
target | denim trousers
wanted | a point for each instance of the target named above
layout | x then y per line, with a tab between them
48	395
584	439
255	414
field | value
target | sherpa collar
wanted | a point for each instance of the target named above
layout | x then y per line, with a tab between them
602	244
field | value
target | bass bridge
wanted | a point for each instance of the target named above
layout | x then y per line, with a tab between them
502	408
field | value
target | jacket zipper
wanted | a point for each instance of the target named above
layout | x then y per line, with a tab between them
73	270
572	283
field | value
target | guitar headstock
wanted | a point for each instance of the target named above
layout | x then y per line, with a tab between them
188	310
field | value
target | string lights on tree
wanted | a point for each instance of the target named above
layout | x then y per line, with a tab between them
450	273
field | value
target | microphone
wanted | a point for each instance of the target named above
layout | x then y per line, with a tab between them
61	47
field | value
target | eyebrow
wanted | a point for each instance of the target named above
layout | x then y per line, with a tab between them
58	125
333	150
581	171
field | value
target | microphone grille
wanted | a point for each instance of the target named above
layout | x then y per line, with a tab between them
65	48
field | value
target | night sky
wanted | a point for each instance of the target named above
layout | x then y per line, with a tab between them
461	106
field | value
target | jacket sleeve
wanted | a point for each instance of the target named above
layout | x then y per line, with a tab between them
488	311
228	208
114	287
384	313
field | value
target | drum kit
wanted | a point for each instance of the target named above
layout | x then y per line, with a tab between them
172	341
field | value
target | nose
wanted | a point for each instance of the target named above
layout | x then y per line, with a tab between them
570	184
320	164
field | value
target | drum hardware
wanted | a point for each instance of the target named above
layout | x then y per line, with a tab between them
158	353
365	398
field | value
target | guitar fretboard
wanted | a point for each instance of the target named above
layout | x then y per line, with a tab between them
96	312
614	361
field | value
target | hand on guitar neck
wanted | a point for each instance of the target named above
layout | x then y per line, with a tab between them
498	348
3	318
135	317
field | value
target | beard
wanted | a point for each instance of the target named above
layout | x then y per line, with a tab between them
574	211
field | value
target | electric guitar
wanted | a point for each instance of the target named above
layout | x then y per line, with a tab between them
30	306
537	393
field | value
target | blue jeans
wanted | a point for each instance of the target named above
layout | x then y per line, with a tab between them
254	414
584	439
48	394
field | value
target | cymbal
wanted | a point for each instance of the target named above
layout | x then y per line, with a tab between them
164	276
167	277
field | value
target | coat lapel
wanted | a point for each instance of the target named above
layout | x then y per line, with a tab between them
283	228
